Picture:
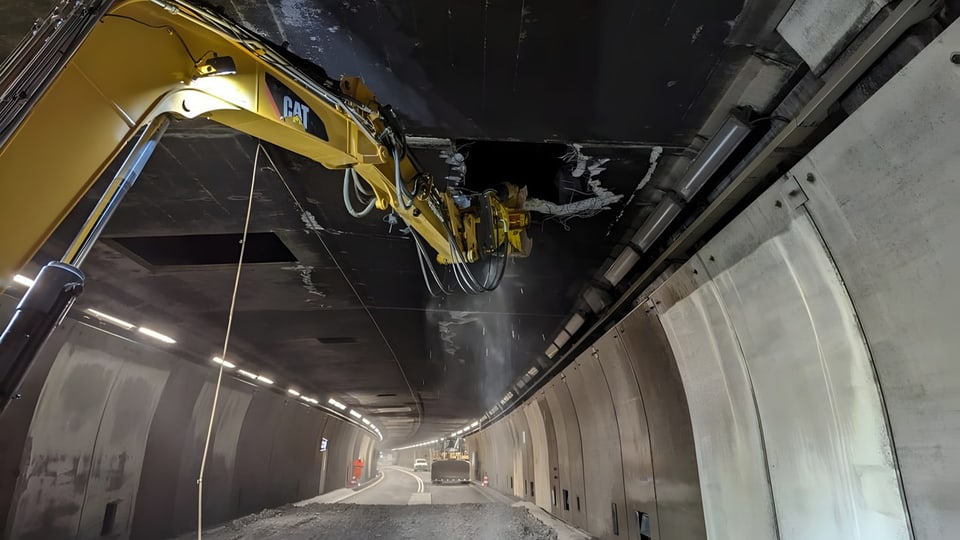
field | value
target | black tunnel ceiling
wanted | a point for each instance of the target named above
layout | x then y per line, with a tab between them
532	70
337	305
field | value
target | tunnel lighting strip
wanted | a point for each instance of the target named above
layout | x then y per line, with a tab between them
156	335
226	364
466	430
23	280
26	282
110	319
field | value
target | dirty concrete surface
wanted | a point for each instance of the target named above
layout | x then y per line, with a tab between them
365	522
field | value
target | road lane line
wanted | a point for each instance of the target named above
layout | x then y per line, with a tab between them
322	500
383	475
417	478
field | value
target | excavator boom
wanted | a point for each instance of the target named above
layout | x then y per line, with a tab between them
94	74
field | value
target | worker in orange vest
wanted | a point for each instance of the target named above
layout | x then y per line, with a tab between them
357	470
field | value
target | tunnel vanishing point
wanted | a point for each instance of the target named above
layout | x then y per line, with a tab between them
639	270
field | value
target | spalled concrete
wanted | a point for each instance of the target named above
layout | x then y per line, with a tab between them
365	522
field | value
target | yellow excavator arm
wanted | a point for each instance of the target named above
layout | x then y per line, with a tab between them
95	74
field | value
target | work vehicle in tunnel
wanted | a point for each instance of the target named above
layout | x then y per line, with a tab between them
736	322
451	462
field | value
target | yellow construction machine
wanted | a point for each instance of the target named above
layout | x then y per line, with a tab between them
452	462
96	75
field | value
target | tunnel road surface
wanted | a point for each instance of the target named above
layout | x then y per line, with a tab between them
404	505
403	486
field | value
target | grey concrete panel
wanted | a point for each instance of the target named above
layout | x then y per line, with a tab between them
121	442
17	417
160	480
676	480
819	30
293	453
600	437
540	459
254	448
824	430
522	454
221	480
550	429
311	482
335	468
571	454
884	195
562	475
737	500
62	438
637	461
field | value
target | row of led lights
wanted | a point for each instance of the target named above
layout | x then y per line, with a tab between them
27	282
296	393
463	431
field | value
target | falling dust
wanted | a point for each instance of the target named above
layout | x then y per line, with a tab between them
477	342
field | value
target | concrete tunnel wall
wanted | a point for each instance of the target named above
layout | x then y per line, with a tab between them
797	377
105	420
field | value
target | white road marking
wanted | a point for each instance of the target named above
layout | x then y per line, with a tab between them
416	477
323	499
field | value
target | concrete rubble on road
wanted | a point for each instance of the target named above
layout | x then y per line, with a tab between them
366	522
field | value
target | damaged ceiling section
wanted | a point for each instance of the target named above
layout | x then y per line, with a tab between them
600	110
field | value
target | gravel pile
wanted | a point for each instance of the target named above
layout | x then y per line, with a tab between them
366	522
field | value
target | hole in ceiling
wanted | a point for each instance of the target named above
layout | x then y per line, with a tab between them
535	165
206	249
336	340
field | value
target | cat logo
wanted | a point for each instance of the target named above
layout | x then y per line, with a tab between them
288	105
292	107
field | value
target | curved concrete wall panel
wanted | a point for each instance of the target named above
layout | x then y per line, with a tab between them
634	436
570	495
737	501
603	495
86	440
539	482
884	195
679	510
116	428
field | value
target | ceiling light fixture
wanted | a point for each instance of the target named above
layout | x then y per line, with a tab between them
110	319
355	414
292	392
247	374
365	421
337	404
264	380
156	335
23	280
475	424
224	363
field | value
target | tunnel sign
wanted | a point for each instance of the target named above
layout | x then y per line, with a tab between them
323	444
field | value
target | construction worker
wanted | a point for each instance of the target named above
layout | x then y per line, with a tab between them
357	470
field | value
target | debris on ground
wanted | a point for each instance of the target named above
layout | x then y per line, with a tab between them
368	522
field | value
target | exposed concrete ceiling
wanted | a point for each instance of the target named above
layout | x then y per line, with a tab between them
337	305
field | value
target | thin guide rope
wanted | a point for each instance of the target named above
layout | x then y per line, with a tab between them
226	343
